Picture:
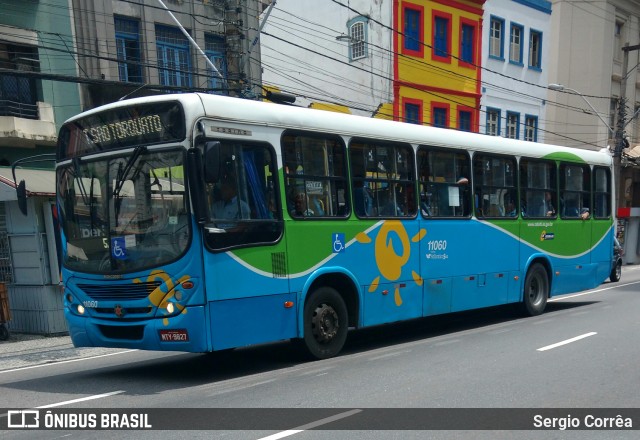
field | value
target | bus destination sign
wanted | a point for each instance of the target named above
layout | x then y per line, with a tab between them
124	127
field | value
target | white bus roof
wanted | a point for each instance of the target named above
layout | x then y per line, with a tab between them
285	116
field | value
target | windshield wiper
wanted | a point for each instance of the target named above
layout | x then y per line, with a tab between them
121	177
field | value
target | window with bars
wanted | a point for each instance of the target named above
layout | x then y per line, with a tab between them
214	49
18	93
128	49
174	61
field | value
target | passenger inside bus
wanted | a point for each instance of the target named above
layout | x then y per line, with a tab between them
301	205
229	206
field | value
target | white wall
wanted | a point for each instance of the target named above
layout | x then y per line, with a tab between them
301	69
510	87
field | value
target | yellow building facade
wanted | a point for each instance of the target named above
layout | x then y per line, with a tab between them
437	73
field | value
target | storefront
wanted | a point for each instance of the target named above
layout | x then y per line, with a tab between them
29	254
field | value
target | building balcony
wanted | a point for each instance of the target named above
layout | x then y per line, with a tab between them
25	126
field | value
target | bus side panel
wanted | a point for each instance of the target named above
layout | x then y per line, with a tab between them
437	296
474	258
603	252
247	321
482	290
394	257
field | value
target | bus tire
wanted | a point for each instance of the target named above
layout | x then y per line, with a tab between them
536	290
325	323
616	272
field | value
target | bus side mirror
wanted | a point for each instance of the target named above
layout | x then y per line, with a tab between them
211	161
21	192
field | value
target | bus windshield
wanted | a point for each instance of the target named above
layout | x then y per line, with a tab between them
123	213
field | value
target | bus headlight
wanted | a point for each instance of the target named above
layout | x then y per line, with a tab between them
170	308
80	309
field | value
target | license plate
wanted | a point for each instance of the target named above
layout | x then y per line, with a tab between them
180	335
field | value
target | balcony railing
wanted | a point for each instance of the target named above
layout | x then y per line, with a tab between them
18	97
18	109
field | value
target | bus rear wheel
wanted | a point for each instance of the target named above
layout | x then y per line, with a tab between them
325	323
536	290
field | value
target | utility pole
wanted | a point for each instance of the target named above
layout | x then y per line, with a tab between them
621	124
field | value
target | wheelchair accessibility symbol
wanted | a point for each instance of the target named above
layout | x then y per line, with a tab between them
338	242
118	248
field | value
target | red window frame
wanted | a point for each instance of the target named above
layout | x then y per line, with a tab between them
420	10
449	18
416	102
474	61
442	105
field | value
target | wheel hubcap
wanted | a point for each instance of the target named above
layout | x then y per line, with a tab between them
325	323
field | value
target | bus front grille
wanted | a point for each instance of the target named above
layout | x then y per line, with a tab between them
119	292
128	332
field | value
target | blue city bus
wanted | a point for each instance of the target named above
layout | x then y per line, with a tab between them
197	223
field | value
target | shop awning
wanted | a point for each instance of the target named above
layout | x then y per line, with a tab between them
38	183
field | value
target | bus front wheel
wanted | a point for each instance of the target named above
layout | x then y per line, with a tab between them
325	323
536	290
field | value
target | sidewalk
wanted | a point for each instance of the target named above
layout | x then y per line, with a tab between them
26	350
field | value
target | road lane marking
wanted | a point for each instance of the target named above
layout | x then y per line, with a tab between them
82	399
48	364
311	425
560	298
568	341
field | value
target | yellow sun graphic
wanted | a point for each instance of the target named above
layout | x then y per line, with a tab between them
389	263
159	297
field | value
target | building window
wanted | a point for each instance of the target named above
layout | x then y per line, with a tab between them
214	49
617	49
496	38
174	61
535	50
464	120
515	44
412	113
468	44
413	31
441	37
440	115
513	125
531	128
493	122
18	93
128	49
358	38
